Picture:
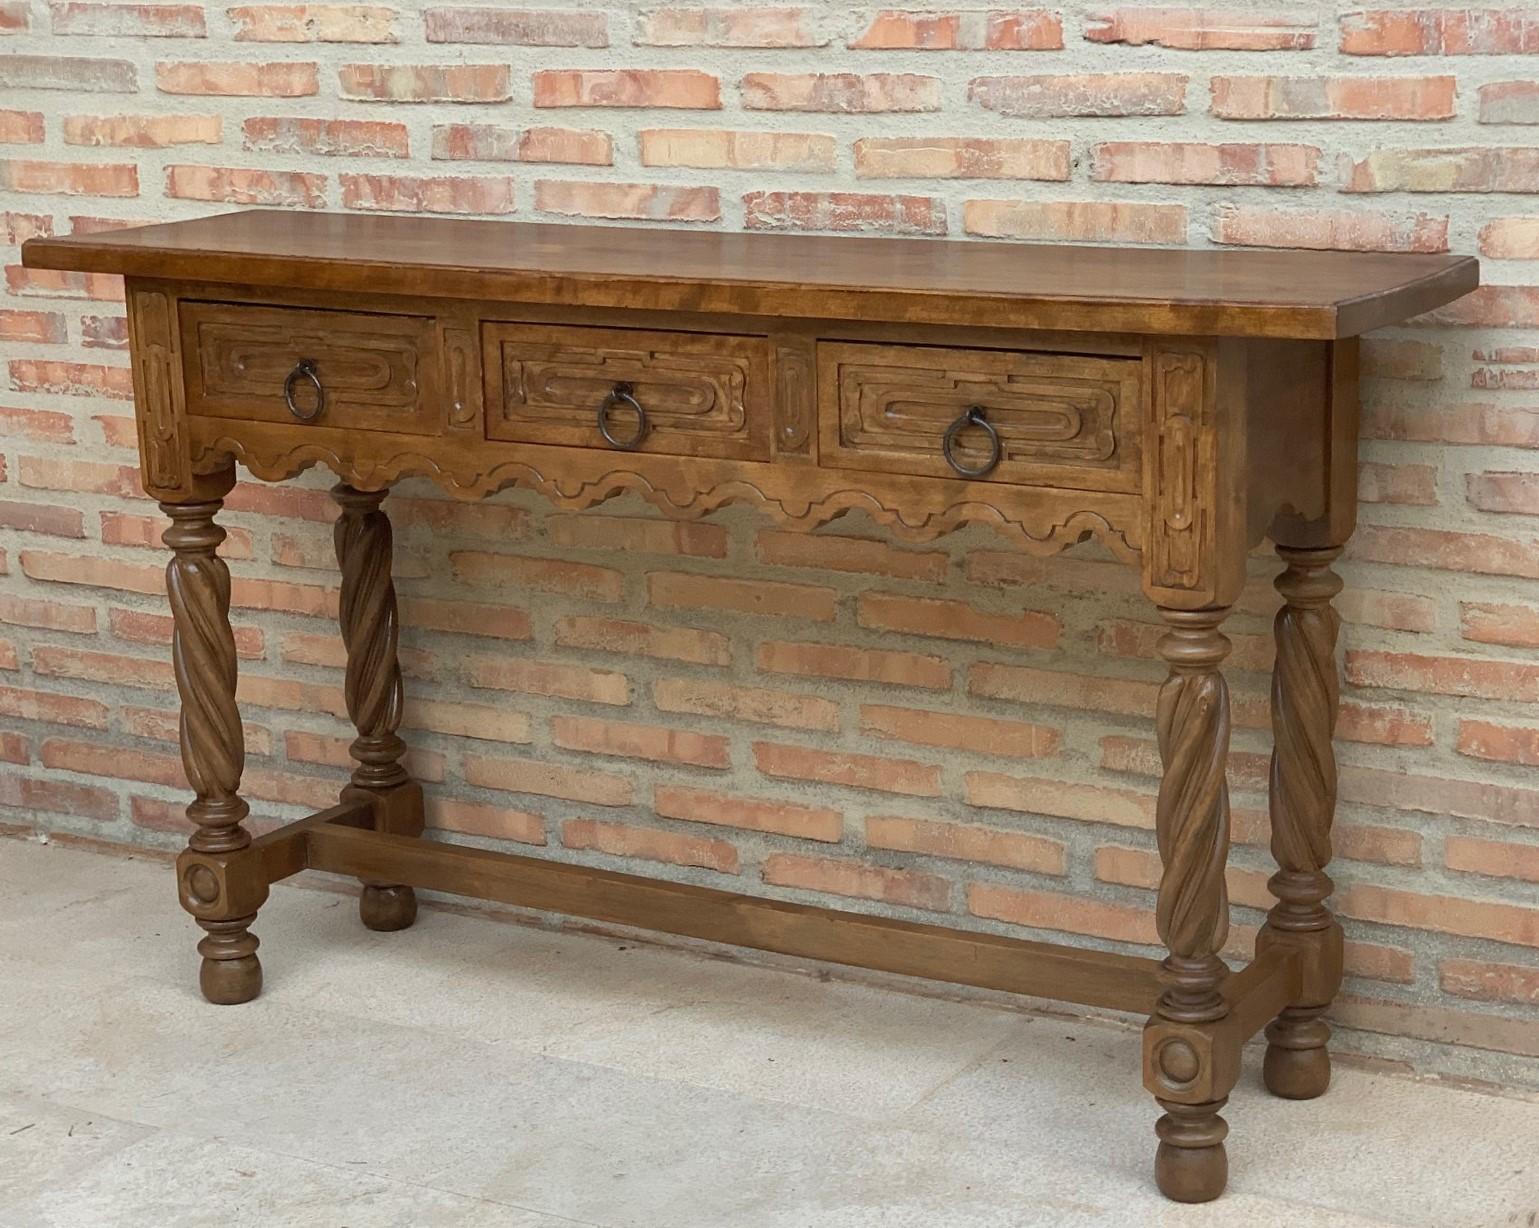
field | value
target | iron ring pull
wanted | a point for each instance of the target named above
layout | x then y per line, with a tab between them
304	369
973	417
622	394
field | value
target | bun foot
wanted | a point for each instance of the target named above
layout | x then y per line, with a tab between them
229	982
1191	1164
1297	1065
387	909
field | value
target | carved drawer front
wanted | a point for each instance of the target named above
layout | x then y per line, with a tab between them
363	370
1037	419
683	394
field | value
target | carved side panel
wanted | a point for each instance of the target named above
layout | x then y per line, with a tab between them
1194	540
462	375
163	448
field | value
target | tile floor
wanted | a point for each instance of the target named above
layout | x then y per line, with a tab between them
471	1074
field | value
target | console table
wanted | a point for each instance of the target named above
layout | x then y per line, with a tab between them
1178	406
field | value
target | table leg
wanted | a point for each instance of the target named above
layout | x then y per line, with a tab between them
374	693
1187	1065
216	885
1305	697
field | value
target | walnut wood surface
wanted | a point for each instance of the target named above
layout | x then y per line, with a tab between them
1257	293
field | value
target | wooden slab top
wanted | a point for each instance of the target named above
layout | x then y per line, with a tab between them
1255	293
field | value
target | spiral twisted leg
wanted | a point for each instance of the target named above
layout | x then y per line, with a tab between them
1305	696
370	630
1189	1076
213	754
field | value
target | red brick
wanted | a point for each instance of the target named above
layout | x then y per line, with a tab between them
1330	230
876	665
17	228
239	186
715	149
1490	982
1489	31
1481	553
685	88
720	27
491	822
981	735
94	572
425	82
654	743
1495	622
836	876
644	639
53	708
58	797
647	202
1510	102
494	521
1130	867
1023	30
639	535
69	178
313	23
142	627
76	379
1404	98
1019	684
14	15
772	598
51	284
466	618
75	74
854	771
128	20
1497	307
104	332
33	327
49	614
967	842
1444	169
867	556
357	138
1198	29
1501	743
955	620
1460	424
620	840
1229	165
1493	858
1383	726
1443	914
1076	221
1056	911
494	143
756	705
507	571
1085	94
1400	358
575	784
910	157
548	678
1439	795
752	814
846	93
54	661
517	27
1412	485
438	194
1475	677
21	127
44	424
844	211
1388	846
1040	795
1516	493
279	79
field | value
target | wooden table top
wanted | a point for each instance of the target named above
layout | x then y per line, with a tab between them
1256	292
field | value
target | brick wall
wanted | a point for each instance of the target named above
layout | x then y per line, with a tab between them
731	704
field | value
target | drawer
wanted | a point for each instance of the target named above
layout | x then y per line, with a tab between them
1059	419
699	394
371	371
